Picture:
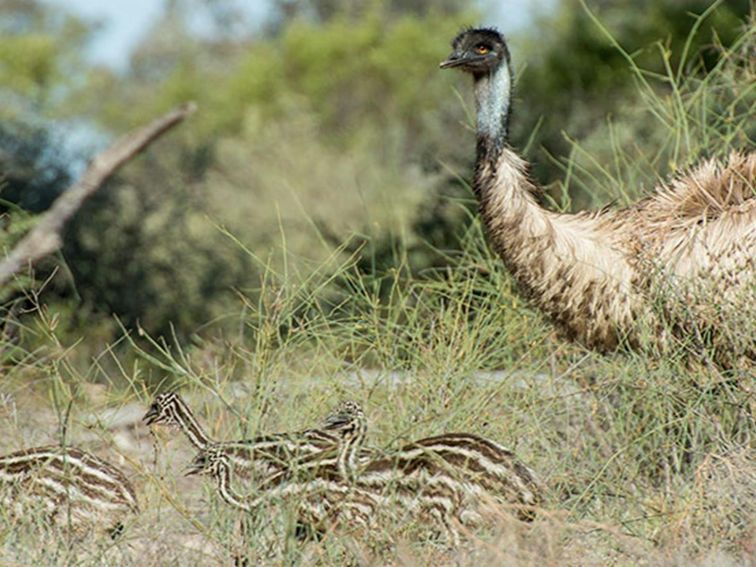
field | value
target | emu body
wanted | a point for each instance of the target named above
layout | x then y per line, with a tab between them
683	258
258	457
490	475
447	479
67	486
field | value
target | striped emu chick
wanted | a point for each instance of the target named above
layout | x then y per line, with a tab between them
485	475
349	487
322	484
490	475
454	475
349	423
68	487
257	457
170	409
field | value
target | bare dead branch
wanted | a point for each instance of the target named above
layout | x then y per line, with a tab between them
45	238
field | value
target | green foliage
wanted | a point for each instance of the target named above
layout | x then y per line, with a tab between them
27	63
40	47
576	76
373	75
151	257
314	112
685	114
32	172
336	137
325	10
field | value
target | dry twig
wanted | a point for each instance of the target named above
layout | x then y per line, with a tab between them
45	237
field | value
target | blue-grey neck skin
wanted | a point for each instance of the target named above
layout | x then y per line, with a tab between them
493	95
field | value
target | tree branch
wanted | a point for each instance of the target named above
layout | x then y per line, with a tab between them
46	237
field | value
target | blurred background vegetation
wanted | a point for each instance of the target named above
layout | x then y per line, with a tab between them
310	234
325	133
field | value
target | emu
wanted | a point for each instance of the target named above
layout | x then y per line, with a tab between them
682	259
67	487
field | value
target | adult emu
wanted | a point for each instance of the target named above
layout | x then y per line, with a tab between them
683	258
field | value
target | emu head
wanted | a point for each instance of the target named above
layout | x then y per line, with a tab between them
347	421
479	51
161	411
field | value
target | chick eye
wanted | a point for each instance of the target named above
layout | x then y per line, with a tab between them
481	49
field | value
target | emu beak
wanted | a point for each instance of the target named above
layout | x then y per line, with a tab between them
335	421
194	469
151	415
454	60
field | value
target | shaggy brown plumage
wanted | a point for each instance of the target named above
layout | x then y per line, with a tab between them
682	259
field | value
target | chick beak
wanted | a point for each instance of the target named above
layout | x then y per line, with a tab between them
151	415
335	422
194	469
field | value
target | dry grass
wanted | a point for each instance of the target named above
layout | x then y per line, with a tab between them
632	480
648	461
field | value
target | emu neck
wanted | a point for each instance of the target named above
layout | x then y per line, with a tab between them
493	94
348	452
226	490
568	265
189	425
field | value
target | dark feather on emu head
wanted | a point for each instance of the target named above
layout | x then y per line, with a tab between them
477	51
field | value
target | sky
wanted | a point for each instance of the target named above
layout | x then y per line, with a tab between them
124	22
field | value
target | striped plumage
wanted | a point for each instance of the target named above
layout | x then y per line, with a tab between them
489	474
451	478
256	458
326	494
340	443
458	475
68	486
265	455
322	504
342	486
170	408
350	424
381	488
454	478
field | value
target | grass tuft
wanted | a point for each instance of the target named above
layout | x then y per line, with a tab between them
649	461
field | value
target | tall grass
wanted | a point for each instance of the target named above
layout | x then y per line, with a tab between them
648	460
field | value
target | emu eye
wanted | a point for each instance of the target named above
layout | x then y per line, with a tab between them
481	49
